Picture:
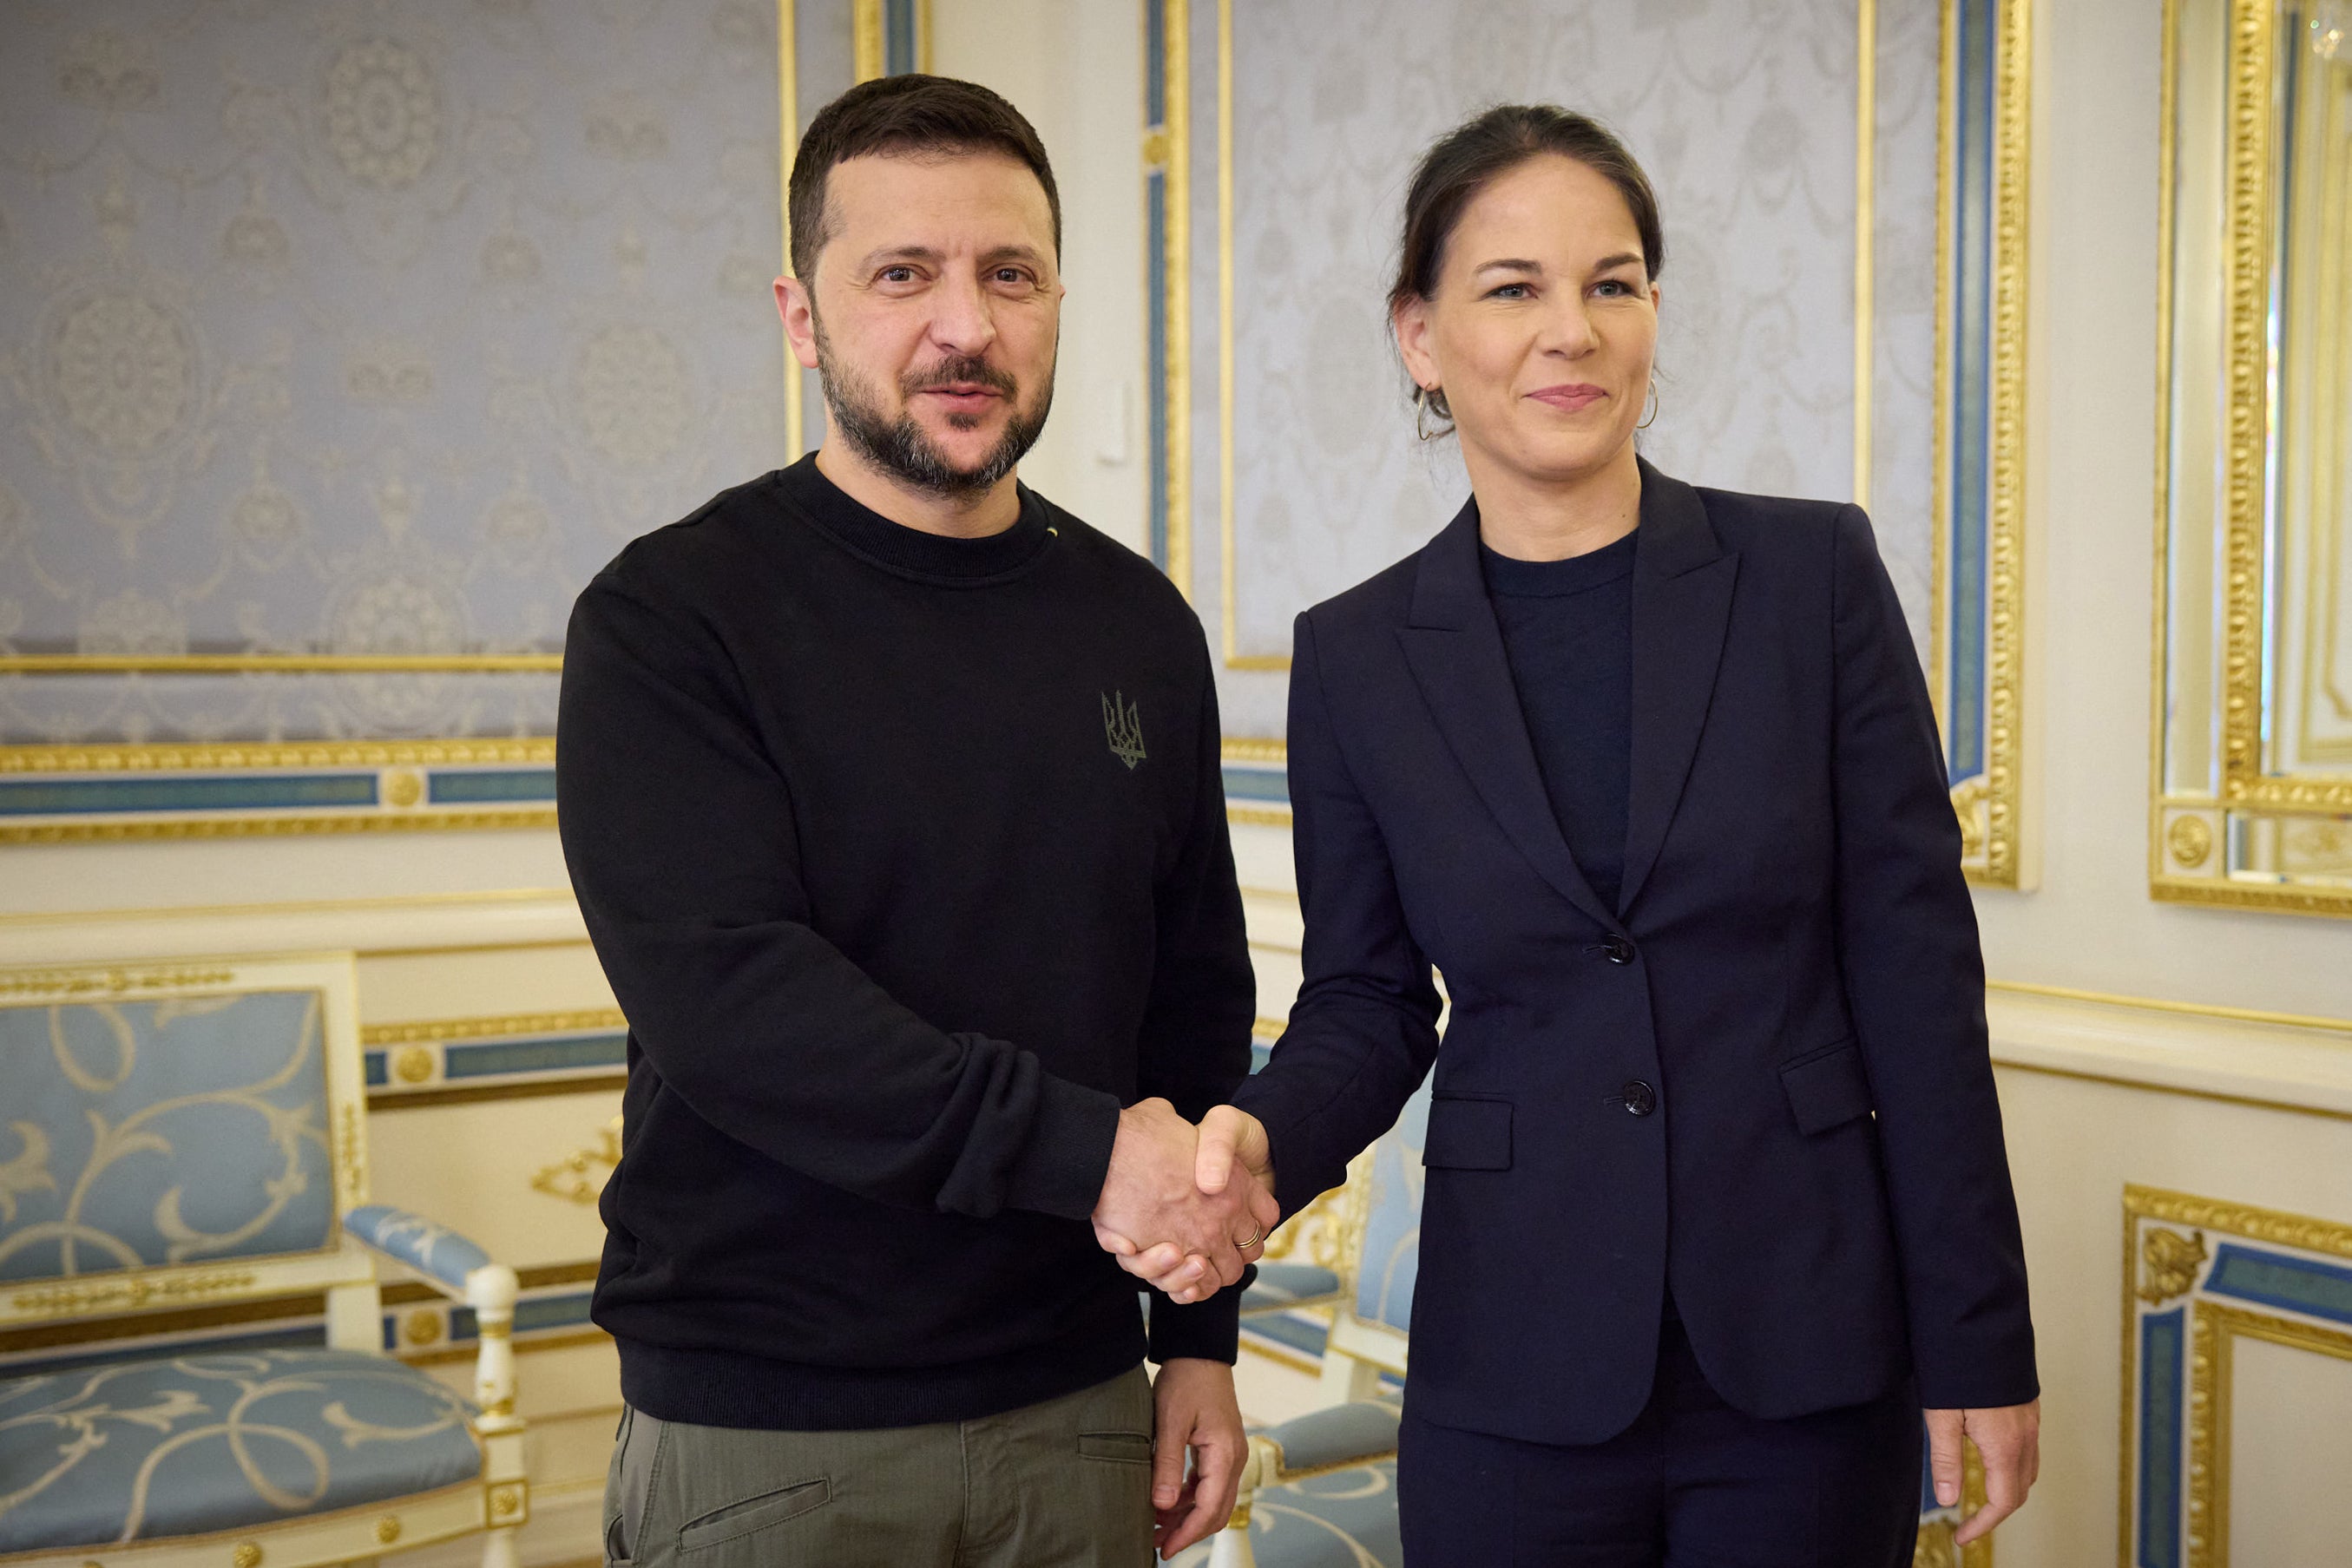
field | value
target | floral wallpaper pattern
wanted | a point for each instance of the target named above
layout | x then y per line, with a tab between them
341	326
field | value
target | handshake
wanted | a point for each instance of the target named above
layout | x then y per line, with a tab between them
1184	1208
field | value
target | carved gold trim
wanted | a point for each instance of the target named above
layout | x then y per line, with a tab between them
192	758
1259	816
135	1293
1176	176
507	1503
231	827
1244	749
73	983
865	42
2274	1226
570	1178
351	1152
2214	1331
276	664
2168	1263
2005	585
496	1026
384	1101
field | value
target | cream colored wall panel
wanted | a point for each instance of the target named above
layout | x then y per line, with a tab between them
360	919
1075	69
416	986
474	1163
332	867
2290	1451
1274	920
1261	858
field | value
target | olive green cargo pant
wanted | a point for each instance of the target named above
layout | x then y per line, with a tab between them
1064	1484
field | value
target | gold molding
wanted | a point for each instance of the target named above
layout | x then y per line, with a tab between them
156	1287
1866	267
588	1082
235	827
1259	816
502	1026
2162	1004
2246	790
276	664
1241	748
176	757
80	981
1175	144
869	41
2276	1225
788	146
2215	1331
1989	805
2206	1417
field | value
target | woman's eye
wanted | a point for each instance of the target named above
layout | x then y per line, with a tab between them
1508	291
1614	287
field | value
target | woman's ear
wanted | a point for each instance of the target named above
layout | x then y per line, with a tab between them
1410	321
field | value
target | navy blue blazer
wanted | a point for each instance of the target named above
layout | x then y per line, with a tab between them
1762	1078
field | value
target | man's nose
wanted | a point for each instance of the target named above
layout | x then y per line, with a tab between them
961	322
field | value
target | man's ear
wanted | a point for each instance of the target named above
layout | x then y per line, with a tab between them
799	316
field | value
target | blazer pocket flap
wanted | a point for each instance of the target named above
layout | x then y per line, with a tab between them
1468	1135
739	1519
1827	1088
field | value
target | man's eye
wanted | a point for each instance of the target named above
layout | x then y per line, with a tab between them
1013	275
897	275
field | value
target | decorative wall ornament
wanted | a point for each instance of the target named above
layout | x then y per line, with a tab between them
2252	695
2283	1279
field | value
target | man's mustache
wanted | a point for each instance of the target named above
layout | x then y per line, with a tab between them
967	372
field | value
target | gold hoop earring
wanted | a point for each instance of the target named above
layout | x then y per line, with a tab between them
1649	415
1426	401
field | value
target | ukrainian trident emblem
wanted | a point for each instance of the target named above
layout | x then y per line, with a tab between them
1124	725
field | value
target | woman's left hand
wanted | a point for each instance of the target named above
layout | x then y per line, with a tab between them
2009	1437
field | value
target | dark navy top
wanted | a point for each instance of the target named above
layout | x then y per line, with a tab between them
1567	629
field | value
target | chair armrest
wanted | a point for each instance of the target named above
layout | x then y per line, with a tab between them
1332	1439
444	1256
1280	1286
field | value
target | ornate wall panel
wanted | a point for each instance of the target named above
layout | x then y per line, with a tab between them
2253	771
340	345
2207	1284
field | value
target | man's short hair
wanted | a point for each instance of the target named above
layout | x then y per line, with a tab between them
914	114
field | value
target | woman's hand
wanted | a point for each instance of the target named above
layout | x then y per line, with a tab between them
2010	1440
1230	1138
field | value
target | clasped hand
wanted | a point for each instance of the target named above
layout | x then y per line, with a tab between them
1185	1208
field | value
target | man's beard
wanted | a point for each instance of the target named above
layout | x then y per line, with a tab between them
902	448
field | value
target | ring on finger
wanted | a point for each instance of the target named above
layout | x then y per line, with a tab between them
1252	1240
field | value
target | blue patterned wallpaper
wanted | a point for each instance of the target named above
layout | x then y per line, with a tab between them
330	326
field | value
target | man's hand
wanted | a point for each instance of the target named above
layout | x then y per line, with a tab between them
2010	1440
1196	1411
1229	1138
1150	1199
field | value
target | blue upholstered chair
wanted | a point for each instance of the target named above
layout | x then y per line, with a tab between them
181	1136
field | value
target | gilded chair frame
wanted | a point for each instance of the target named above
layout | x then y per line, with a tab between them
2219	796
343	1271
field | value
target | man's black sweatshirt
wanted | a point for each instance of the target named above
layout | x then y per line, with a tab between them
906	857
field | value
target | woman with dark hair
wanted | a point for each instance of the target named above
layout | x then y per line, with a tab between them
1717	1199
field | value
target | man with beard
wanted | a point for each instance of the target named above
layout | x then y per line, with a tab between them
891	795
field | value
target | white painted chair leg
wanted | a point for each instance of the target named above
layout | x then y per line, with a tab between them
1229	1547
506	1500
1347	1379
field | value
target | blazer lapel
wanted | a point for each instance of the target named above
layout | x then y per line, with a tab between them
1682	604
1456	651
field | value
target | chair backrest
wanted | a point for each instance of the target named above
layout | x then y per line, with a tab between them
177	1134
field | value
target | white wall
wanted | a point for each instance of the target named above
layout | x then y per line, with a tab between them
1075	69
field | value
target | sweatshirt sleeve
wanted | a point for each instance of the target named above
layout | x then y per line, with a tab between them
677	827
1195	1045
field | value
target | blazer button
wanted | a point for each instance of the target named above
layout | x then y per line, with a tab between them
1639	1097
1619	949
